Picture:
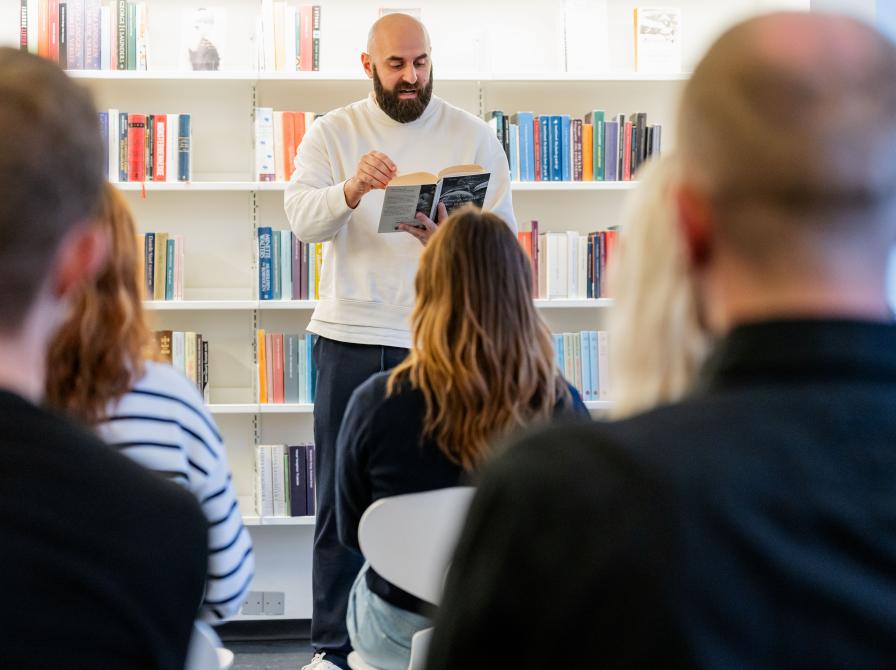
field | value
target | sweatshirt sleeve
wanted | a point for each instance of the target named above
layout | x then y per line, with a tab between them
315	205
498	200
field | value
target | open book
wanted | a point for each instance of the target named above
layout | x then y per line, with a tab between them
423	191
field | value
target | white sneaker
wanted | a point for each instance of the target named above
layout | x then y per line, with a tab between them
318	663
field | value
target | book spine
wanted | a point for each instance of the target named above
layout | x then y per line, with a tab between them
295	248
159	274
536	147
261	356
53	29
599	164
105	37
285	265
514	152
136	147
585	348
276	282
33	30
113	138
149	146
556	149
23	25
43	29
75	34
190	356
299	492
160	139
315	38
303	370
565	149
178	267
267	481
309	367
264	144
169	269
171	123
92	30
203	375
603	364
177	351
63	35
123	152
104	131
589	278
269	365
312	487
611	134
544	123
291	369
627	152
183	147
278	477
265	263
132	36
121	35
277	361
142	41
149	253
306	44
577	159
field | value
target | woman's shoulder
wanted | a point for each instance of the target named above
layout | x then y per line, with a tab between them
373	393
163	379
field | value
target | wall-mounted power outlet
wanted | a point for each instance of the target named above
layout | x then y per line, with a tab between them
274	603
254	603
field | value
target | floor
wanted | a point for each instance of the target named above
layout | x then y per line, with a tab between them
270	655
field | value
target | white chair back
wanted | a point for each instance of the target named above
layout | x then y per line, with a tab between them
409	539
206	651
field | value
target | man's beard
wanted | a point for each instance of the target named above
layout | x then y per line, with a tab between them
403	111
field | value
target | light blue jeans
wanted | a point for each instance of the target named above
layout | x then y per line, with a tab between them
380	632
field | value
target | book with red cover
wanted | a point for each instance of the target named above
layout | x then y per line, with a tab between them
289	143
306	45
136	147
159	155
268	365
277	366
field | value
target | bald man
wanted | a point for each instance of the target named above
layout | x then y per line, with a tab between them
362	319
752	525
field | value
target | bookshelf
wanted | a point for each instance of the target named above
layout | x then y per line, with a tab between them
502	55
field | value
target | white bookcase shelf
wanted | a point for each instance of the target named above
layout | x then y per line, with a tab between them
278	520
332	77
305	305
249	186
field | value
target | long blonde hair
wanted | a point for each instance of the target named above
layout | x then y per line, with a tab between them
98	354
656	341
482	356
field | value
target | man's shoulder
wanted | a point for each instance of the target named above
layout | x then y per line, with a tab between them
340	117
458	116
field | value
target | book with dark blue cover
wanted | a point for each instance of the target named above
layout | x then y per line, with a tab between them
311	503
265	285
556	148
298	475
183	147
544	127
169	269
122	146
104	130
611	150
565	149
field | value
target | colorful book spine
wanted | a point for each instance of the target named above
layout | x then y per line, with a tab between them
265	263
183	147
544	126
565	149
169	269
136	147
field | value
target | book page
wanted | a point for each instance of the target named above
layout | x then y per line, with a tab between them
401	204
458	190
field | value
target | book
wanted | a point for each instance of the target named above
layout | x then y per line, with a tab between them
136	147
261	355
298	480
408	194
265	263
657	39
183	148
203	34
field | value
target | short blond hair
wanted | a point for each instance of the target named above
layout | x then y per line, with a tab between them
656	341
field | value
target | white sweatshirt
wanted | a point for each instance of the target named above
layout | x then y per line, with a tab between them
367	278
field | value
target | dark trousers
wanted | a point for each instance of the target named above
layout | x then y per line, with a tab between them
341	368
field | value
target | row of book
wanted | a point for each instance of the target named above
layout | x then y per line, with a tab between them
163	266
286	372
86	34
560	148
584	360
569	265
284	480
186	352
287	268
147	147
277	138
289	37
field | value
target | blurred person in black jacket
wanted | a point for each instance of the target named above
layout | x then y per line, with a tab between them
752	524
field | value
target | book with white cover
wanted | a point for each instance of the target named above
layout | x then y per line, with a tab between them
658	39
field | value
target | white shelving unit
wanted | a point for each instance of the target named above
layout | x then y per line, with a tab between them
502	55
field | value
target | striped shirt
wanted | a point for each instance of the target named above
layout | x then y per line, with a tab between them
163	424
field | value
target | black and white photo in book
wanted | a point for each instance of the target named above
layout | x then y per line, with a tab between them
203	38
462	189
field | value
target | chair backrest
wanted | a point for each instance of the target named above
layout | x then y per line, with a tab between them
409	539
202	653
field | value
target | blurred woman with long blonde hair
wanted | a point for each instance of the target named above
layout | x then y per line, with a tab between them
657	343
98	372
481	366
